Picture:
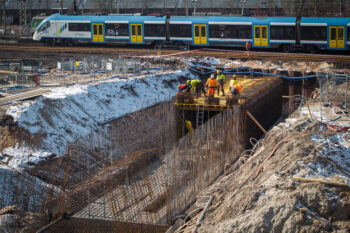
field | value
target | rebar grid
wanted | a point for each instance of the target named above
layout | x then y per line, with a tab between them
134	170
130	171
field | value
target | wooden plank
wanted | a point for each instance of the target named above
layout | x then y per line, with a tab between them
256	122
23	96
99	225
321	181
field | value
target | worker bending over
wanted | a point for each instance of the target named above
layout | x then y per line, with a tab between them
235	87
197	86
184	87
212	84
221	80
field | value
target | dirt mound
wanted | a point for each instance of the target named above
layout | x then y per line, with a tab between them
264	193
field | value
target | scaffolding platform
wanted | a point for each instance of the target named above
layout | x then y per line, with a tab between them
252	87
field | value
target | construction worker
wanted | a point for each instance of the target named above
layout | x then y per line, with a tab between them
221	80
197	86
184	87
235	87
212	84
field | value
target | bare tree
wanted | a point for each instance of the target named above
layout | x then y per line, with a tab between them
145	5
103	5
294	7
272	5
3	19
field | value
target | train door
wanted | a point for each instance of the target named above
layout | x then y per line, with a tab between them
261	35
200	34
136	33
337	37
97	32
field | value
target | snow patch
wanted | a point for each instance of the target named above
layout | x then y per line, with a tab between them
336	150
71	113
15	111
23	156
63	92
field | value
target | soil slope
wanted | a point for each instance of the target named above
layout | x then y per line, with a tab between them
262	193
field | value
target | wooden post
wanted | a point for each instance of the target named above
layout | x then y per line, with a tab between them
303	88
291	94
256	122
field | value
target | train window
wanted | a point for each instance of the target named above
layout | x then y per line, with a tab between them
204	32
95	29
181	30
340	34
333	33
45	26
79	27
257	32
230	31
196	31
139	30
315	33
133	30
155	30
348	33
117	29
282	32
264	32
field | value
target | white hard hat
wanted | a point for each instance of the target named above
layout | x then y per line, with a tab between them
212	76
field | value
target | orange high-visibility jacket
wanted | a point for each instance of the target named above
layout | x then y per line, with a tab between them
212	82
238	87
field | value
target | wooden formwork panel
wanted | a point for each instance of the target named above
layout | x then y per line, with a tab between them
252	87
84	225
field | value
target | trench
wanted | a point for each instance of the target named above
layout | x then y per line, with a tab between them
152	168
151	175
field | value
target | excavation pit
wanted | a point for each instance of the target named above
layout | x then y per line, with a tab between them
163	166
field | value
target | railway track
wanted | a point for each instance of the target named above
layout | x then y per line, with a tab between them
54	52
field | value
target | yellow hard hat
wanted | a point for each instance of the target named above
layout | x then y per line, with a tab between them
218	71
188	81
178	86
234	76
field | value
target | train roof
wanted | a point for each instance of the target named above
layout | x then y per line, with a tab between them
203	19
102	18
325	20
253	20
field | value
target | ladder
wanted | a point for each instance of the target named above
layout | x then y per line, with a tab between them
200	115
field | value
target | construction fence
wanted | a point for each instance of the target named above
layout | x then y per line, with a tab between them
67	71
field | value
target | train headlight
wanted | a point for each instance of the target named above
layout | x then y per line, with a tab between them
35	36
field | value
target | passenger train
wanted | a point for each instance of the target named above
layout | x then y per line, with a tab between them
288	33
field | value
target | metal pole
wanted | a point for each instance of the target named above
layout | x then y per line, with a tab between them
194	7
242	2
118	7
346	91
327	88
321	90
61	6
